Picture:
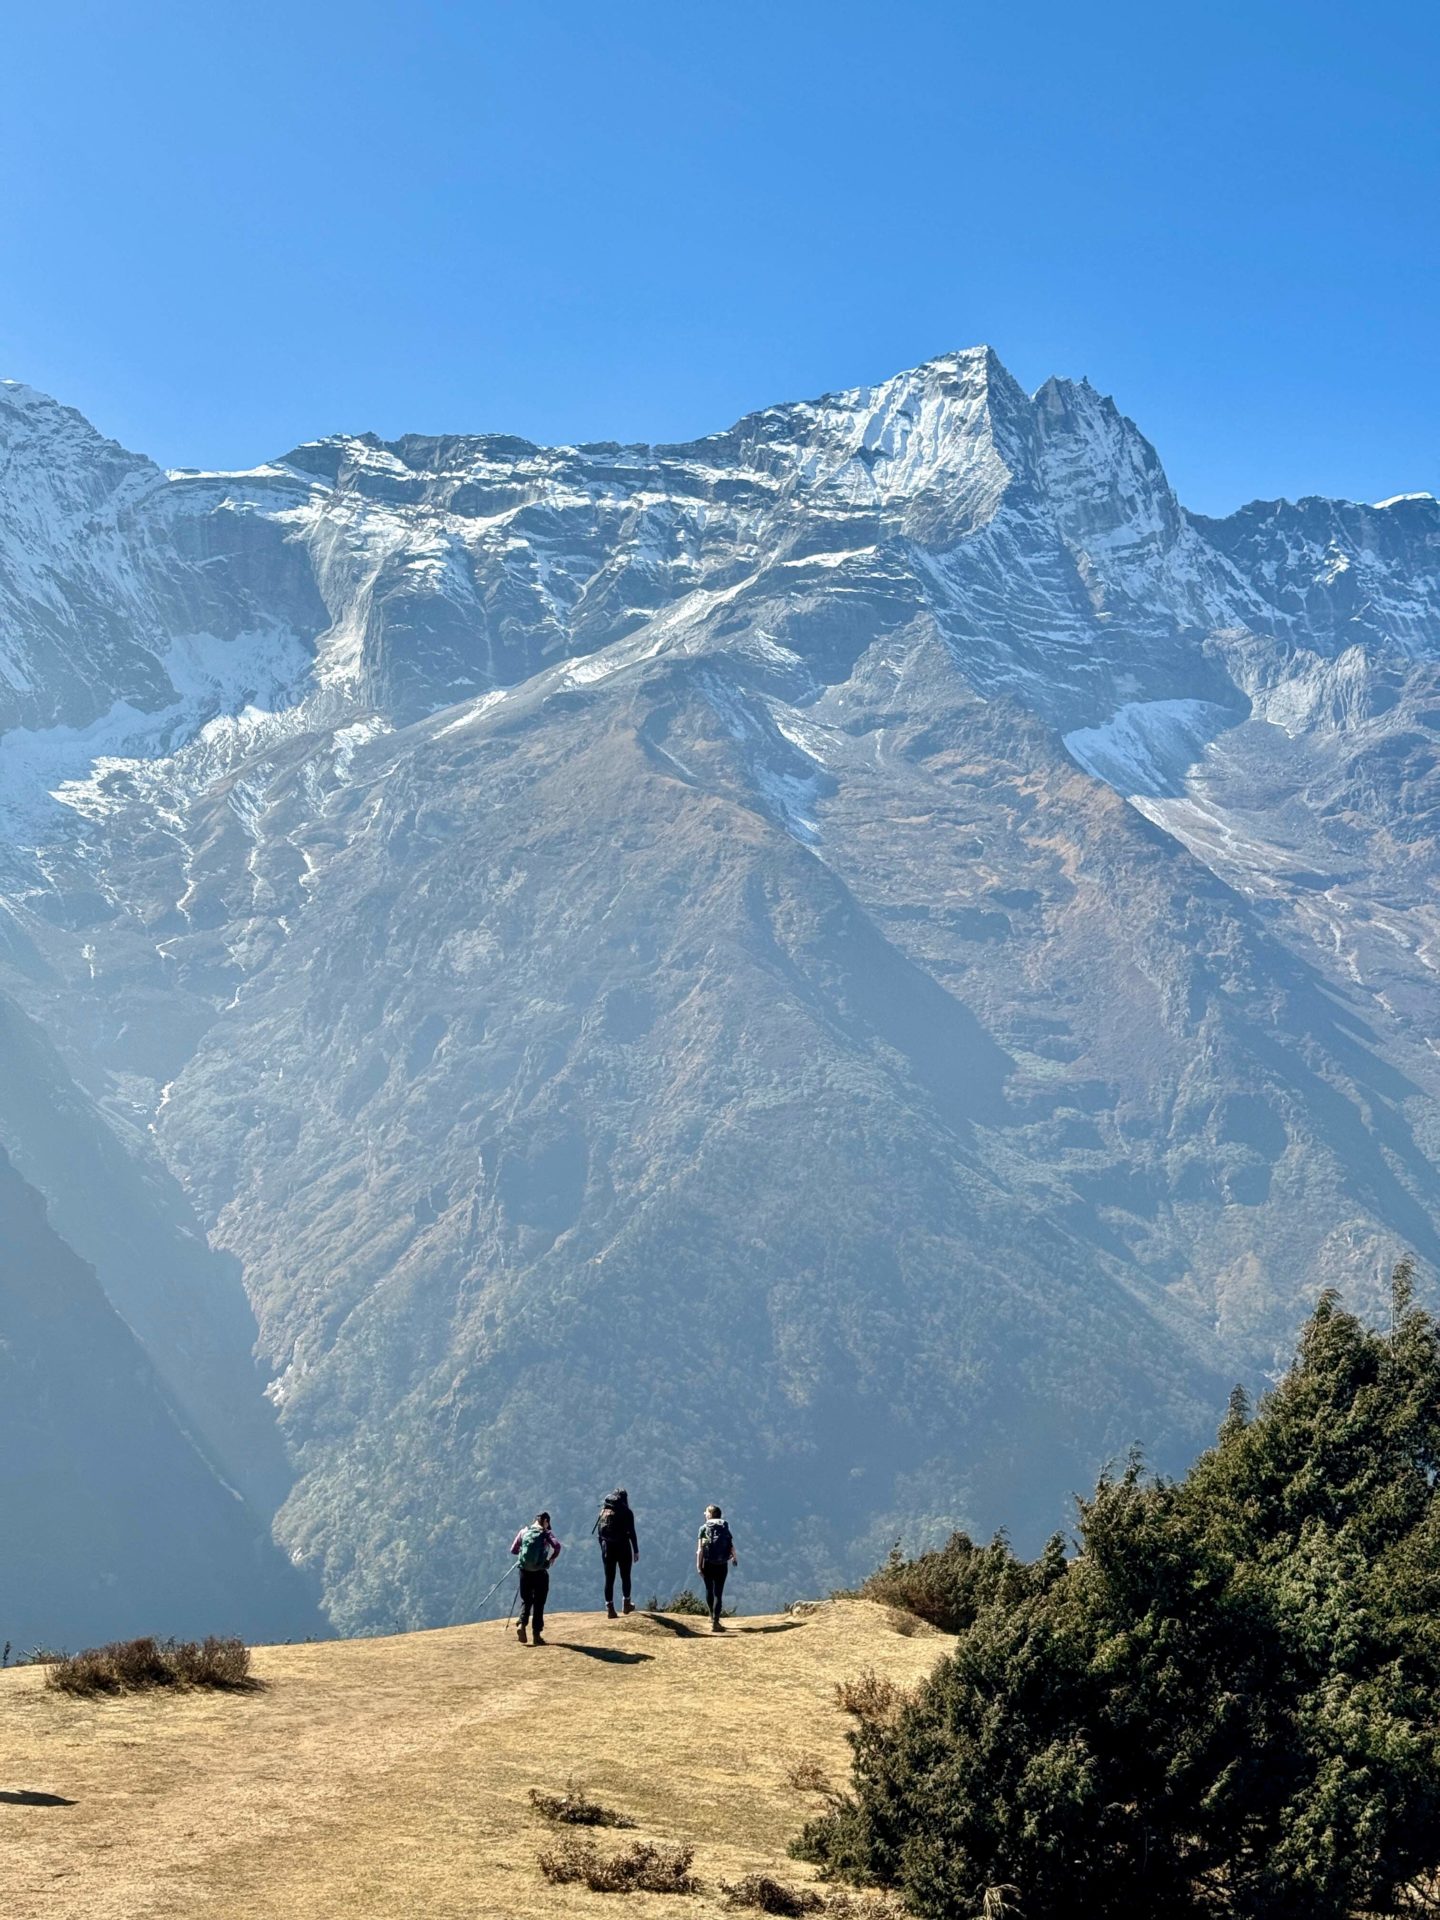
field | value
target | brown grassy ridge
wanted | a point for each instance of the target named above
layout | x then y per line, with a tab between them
371	1778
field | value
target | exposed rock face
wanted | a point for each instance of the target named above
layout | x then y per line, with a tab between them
853	967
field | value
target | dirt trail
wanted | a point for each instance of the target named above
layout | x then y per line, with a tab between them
390	1777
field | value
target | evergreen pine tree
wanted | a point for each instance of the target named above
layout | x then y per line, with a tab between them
1227	1704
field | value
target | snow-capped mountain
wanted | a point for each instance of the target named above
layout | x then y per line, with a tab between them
871	955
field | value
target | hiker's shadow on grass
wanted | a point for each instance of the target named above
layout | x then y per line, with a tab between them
775	1626
617	1656
26	1797
672	1625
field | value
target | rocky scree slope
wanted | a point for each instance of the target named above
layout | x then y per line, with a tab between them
865	961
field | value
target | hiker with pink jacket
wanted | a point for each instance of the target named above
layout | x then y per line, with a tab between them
537	1550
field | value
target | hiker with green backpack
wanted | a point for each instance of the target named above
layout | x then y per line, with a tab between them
714	1556
537	1550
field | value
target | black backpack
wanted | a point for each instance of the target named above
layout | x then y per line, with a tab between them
716	1542
613	1524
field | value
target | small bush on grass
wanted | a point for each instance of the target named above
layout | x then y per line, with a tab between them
133	1666
643	1868
870	1697
807	1776
572	1809
764	1895
686	1602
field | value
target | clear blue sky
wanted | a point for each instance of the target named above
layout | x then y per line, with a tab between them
225	228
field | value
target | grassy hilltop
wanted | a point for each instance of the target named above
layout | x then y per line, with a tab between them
391	1777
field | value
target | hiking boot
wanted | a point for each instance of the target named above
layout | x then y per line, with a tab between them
538	1641
610	1613
717	1626
520	1635
628	1604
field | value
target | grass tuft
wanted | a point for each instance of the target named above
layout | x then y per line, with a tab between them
642	1868
136	1666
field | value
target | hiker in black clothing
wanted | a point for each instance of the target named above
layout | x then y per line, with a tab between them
537	1550
619	1548
714	1556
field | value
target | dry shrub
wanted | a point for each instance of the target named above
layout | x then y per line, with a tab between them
643	1868
759	1891
133	1666
807	1776
870	1696
998	1903
573	1809
864	1906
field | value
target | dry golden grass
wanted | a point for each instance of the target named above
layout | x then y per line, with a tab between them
390	1779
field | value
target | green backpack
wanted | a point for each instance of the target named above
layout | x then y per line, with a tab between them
534	1554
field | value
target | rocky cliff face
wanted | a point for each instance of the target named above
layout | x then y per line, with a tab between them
864	962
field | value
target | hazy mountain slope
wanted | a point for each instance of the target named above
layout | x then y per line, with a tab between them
116	1523
120	1210
605	1134
870	957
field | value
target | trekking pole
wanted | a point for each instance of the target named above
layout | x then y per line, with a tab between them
495	1589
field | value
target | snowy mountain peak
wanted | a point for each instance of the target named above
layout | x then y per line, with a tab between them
34	421
55	460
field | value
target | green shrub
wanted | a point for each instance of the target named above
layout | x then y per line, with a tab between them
1226	1705
685	1601
949	1587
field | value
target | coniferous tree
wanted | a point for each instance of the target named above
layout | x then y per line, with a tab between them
1226	1704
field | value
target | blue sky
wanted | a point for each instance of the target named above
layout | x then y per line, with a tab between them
225	228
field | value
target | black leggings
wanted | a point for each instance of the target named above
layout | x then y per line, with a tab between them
617	1559
714	1572
534	1589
